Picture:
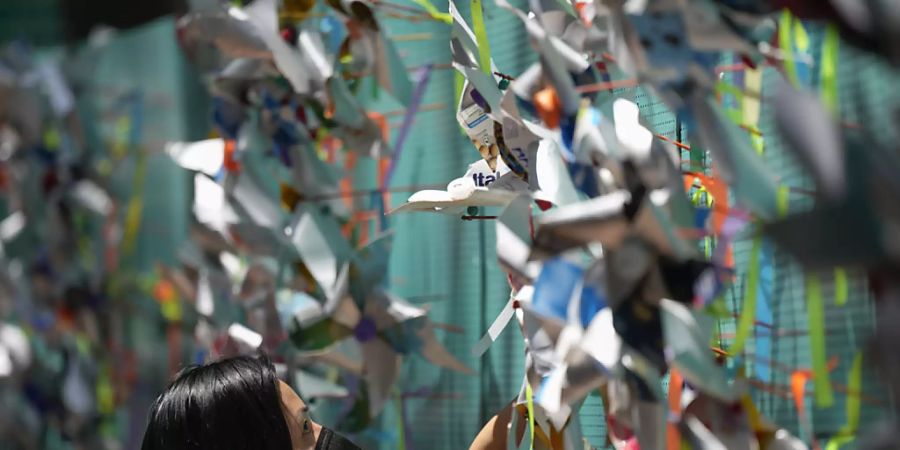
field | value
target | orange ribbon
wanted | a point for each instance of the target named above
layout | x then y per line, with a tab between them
673	436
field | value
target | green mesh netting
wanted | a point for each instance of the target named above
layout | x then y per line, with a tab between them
450	264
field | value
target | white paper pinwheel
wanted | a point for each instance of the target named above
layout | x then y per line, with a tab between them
480	186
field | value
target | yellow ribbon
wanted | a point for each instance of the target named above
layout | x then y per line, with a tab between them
136	202
751	105
135	205
529	398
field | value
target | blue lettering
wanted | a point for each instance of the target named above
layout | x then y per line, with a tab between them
482	180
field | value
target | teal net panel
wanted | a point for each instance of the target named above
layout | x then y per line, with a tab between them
446	262
450	263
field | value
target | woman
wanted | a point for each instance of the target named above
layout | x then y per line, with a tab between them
235	404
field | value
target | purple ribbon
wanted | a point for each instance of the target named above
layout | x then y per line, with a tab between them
423	75
365	330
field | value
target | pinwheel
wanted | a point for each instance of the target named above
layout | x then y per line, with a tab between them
357	310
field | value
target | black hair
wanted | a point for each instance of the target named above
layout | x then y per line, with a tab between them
232	404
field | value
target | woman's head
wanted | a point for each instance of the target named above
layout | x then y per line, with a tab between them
234	404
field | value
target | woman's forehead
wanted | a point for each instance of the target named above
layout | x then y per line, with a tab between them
290	399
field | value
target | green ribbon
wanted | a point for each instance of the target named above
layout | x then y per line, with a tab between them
854	383
401	430
838	441
784	41
735	115
433	11
828	70
829	90
458	83
481	38
816	314
791	34
748	311
782	200
841	286
723	87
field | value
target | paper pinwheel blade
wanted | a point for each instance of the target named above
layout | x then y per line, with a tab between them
319	335
444	201
232	36
201	156
601	219
382	367
814	137
688	346
514	238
